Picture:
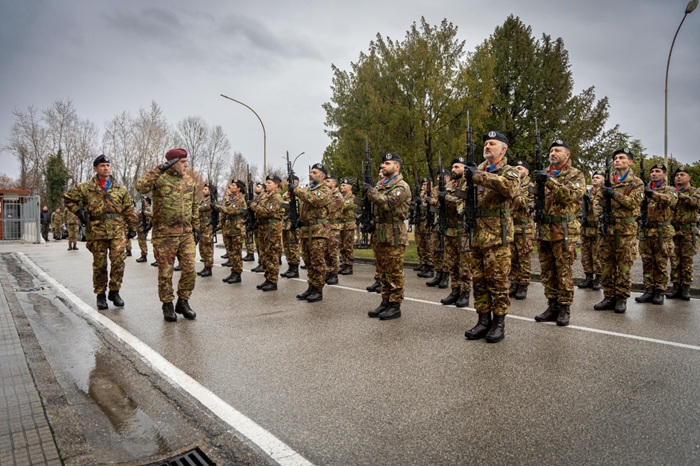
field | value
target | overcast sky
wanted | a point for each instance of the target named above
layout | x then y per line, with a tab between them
115	56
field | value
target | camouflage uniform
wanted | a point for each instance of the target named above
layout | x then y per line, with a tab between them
438	254
110	213
656	242
522	246
143	232
560	231
206	236
232	229
335	220
423	234
175	215
347	234
590	232
289	239
314	230
457	260
127	241
269	213
72	224
685	239
56	222
391	200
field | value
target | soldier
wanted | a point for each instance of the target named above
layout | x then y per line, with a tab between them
289	239
335	220
259	191
456	258
72	225
269	213
56	224
685	240
619	247
524	224
206	235
498	183
391	200
423	235
442	277
349	224
559	231
105	208
45	222
590	234
375	287
656	243
175	234
314	230
128	242
145	224
232	229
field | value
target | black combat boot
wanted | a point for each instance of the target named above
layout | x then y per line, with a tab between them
620	305
205	272
498	329
347	270
302	266
596	283
315	296
306	293
463	300
258	269
169	312
607	304
658	297
269	287
685	292
154	263
587	282
419	268
675	292
235	277
183	307
451	298
102	302
375	287
521	292
227	264
445	281
564	315
226	280
391	312
249	257
428	272
143	258
293	271
481	328
551	313
128	253
646	297
75	247
260	286
224	256
70	246
436	281
332	279
512	289
382	307
115	298
177	268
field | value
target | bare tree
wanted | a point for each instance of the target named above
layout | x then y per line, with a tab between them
118	145
217	153
193	136
29	144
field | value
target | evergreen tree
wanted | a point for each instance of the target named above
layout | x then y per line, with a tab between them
57	177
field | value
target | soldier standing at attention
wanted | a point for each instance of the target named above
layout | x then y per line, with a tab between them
106	209
175	218
656	243
686	238
347	234
498	183
269	212
145	223
619	247
72	224
524	224
56	223
290	242
423	235
590	255
232	229
335	220
442	277
314	230
259	191
206	239
391	200
559	232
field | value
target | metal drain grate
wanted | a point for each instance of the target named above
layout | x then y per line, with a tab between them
193	457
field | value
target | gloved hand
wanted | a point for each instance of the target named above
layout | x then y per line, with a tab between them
365	188
470	171
164	167
587	196
82	216
541	176
608	192
131	233
195	233
442	195
648	192
291	187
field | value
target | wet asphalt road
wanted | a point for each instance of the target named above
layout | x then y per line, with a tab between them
340	388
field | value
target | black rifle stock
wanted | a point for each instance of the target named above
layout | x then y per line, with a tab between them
442	210
213	200
414	209
143	220
540	191
366	217
471	197
429	213
606	219
250	221
644	213
293	213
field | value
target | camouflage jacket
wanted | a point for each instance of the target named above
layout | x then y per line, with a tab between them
686	217
453	207
111	211
313	210
335	210
595	209
71	218
268	208
149	219
496	190
175	207
562	205
660	211
391	202
204	212
285	203
56	218
349	219
523	220
234	211
626	204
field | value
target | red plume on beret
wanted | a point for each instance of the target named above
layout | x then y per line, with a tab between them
176	154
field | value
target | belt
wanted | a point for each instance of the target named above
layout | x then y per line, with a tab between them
623	221
493	213
550	219
335	221
348	220
105	216
308	223
390	221
653	225
684	226
269	221
522	221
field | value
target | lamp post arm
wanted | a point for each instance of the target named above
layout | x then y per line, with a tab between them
263	128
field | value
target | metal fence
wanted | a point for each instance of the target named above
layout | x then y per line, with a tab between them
20	218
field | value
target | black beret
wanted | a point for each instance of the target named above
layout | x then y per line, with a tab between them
393	156
349	181
559	143
625	151
522	163
331	176
597	172
497	136
239	183
681	170
660	166
459	160
100	159
295	178
274	178
445	172
320	167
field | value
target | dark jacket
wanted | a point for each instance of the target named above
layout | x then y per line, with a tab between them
46	217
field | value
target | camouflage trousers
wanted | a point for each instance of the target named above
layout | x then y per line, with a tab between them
617	267
458	263
556	262
143	242
56	227
254	242
234	245
333	252
100	248
166	249
127	243
292	249
655	255
521	258
425	245
490	269
72	232
590	255
313	250
270	249
438	256
206	246
389	260
682	258
347	251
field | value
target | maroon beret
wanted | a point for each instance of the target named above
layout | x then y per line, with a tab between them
176	154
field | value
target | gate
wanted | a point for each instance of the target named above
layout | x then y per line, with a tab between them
20	218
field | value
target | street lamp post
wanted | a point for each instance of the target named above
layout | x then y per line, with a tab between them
690	7
263	128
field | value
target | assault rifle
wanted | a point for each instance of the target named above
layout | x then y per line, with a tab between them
293	212
429	214
644	214
213	200
414	209
143	220
540	191
471	200
251	222
606	218
585	209
442	210
366	215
